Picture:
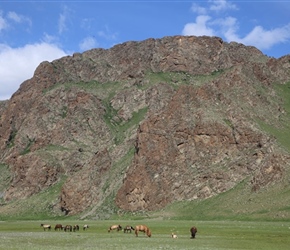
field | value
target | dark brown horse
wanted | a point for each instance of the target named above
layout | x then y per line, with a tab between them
68	228
115	227
58	227
128	229
193	232
144	229
76	228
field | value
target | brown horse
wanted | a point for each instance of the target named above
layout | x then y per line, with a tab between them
58	227
113	227
144	229
45	226
68	228
128	229
193	231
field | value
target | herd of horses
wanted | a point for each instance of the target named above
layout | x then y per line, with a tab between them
65	228
128	229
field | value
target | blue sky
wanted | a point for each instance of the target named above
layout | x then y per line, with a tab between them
36	31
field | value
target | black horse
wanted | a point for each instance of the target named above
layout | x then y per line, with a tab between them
193	232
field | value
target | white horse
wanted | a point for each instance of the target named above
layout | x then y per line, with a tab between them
174	236
45	226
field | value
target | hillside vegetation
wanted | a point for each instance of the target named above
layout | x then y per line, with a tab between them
186	128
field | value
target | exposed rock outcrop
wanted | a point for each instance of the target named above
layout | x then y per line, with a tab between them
145	124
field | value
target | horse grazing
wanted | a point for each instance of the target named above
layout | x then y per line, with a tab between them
58	227
113	227
142	228
174	236
85	227
76	228
128	229
193	231
45	226
68	228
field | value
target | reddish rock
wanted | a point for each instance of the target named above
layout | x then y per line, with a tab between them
187	106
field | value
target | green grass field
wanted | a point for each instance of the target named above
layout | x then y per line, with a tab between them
211	235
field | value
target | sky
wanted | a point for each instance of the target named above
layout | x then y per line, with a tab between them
35	31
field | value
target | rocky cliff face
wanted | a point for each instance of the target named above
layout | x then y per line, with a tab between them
145	124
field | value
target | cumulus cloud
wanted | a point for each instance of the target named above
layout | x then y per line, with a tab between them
19	64
199	28
227	27
261	38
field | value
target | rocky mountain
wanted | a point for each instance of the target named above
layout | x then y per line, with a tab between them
144	124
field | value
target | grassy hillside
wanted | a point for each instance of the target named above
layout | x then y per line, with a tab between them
35	207
239	203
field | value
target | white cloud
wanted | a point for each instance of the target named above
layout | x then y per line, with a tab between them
221	5
49	38
198	9
88	43
199	28
227	27
3	23
13	16
19	64
87	24
18	18
63	19
61	23
107	34
261	38
213	6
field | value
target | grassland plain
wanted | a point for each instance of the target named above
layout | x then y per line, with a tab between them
211	235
